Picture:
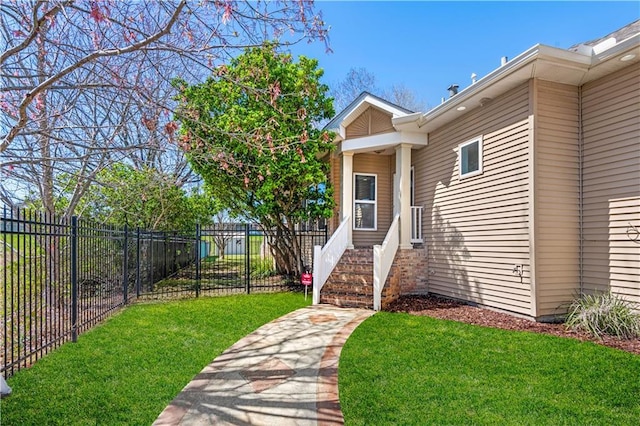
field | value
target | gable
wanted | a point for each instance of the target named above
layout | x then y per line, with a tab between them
372	121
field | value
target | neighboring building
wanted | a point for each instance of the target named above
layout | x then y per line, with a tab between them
518	193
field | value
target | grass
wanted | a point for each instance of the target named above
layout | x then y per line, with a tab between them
127	370
255	242
402	369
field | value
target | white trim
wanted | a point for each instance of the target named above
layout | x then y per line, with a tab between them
374	202
384	140
364	104
479	141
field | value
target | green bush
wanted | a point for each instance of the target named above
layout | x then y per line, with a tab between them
604	313
262	267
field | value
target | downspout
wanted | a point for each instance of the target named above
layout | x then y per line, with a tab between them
580	194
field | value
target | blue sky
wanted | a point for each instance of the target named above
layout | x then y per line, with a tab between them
427	46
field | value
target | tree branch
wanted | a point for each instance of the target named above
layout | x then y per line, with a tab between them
29	97
34	30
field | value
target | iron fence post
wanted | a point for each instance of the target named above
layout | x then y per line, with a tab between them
149	277
74	279
138	262
198	256
174	267
165	247
125	265
247	249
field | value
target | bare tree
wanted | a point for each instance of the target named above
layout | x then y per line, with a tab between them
400	94
360	80
225	231
356	81
87	83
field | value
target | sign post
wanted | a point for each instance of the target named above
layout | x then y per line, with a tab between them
306	279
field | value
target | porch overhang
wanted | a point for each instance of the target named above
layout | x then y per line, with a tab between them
384	143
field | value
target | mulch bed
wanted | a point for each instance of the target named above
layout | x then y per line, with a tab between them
438	307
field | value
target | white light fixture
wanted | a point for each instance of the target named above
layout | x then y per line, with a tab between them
461	108
628	57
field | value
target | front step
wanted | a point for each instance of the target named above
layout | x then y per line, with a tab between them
351	282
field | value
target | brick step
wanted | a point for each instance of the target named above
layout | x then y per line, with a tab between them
347	301
363	263
357	256
351	273
351	279
345	288
351	282
354	266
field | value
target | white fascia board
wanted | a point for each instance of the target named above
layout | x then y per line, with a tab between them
384	106
364	104
342	132
623	46
553	53
384	141
408	119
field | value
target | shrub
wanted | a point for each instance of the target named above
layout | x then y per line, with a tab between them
262	267
604	313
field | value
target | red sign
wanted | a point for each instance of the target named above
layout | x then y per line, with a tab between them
306	279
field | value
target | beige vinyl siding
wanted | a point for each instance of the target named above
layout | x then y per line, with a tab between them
476	229
370	122
557	201
380	165
611	183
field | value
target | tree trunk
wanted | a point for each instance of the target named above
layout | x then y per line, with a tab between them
285	249
51	245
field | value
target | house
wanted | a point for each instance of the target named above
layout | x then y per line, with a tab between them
517	193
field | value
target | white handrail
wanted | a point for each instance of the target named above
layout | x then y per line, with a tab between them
383	256
326	258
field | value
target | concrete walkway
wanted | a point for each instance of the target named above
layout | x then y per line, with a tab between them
285	373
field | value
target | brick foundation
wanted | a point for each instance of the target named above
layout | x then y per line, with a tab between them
408	275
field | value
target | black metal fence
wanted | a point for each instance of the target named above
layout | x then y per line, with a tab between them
234	258
60	277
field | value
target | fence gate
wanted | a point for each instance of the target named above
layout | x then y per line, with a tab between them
237	258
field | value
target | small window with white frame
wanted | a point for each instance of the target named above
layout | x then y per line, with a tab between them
364	201
470	158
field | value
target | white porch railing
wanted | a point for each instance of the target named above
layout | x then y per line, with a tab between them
383	256
416	224
326	258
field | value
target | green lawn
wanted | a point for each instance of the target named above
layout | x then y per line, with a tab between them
398	369
395	369
127	370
